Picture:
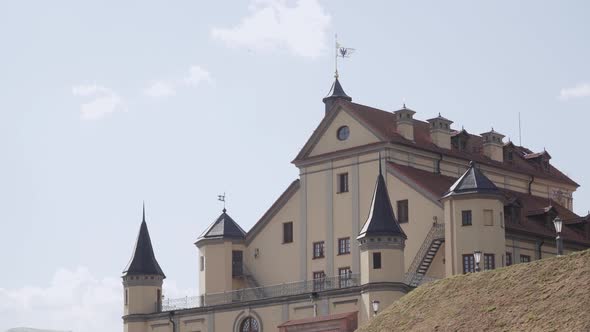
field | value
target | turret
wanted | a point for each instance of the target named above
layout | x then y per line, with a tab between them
381	242
336	93
142	278
221	256
473	209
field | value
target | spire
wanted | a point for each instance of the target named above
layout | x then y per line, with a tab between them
336	92
143	261
381	220
473	181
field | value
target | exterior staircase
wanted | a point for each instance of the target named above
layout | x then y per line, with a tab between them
252	284
434	239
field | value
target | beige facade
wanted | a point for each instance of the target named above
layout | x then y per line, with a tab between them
302	259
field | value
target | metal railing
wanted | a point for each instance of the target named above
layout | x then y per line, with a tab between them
265	292
418	279
436	232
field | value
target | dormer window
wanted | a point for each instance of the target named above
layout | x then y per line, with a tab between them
510	155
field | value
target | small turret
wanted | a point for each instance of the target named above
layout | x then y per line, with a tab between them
381	242
336	93
404	118
143	276
473	208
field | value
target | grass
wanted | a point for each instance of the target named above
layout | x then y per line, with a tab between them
551	294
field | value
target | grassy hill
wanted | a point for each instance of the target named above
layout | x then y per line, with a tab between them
551	294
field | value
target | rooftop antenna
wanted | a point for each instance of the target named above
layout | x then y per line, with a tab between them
222	199
519	131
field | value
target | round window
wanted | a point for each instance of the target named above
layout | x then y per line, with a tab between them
343	133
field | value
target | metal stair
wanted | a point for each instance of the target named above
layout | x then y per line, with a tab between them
423	259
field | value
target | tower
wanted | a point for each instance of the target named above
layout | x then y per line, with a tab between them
221	257
474	221
381	242
336	92
142	280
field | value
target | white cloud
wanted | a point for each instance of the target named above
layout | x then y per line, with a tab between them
159	89
102	101
167	88
274	25
197	75
74	301
579	91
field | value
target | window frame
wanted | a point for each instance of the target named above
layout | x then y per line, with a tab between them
321	251
377	259
403	204
318	278
468	263
465	213
508	258
491	213
489	261
346	246
343	184
237	270
525	258
344	279
287	224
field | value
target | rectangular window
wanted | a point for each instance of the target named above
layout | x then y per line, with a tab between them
508	258
489	261
236	263
466	218
525	258
468	263
288	232
344	274
343	183
402	211
488	218
376	260
159	300
344	246
318	280
318	249
126	297
202	263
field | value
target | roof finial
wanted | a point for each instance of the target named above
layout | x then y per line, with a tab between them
143	211
222	199
439	115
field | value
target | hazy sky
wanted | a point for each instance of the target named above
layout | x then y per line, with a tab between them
104	104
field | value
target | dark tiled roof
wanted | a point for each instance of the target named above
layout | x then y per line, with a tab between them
381	220
437	185
143	261
336	91
473	181
385	123
223	227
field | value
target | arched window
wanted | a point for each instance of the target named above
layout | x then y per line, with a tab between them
250	324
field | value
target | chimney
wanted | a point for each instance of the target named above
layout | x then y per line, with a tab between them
405	122
493	147
440	132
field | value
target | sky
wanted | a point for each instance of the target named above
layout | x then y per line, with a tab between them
106	104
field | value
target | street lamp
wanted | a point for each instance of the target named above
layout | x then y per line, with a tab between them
559	242
477	257
375	304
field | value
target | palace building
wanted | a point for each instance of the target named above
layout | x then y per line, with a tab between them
384	202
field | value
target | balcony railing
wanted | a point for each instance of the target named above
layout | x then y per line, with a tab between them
265	292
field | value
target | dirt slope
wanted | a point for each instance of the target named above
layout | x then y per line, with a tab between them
551	294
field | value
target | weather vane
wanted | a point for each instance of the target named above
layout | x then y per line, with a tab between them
342	52
222	199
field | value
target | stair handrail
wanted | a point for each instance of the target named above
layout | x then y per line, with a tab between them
436	232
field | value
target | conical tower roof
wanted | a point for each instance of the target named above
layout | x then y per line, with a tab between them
336	91
473	181
223	227
381	220
143	260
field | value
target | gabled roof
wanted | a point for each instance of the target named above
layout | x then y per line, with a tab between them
384	125
473	181
143	261
381	220
223	227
